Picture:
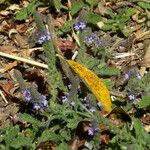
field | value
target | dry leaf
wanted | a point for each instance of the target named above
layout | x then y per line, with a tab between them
146	60
94	83
8	67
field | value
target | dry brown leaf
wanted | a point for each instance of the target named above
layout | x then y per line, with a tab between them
146	60
100	9
7	87
8	49
65	45
9	66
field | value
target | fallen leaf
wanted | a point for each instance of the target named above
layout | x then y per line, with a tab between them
65	45
94	83
146	60
8	66
7	87
118	117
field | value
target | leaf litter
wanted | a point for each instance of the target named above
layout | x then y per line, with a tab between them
74	75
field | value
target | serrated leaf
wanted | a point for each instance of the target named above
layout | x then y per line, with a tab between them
11	134
57	4
28	118
144	5
94	83
24	13
77	6
21	141
92	18
145	102
49	135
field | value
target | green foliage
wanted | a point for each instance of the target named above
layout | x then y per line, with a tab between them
58	123
55	79
104	70
26	12
93	2
118	22
29	119
57	4
76	7
145	102
142	137
66	28
49	135
145	5
92	18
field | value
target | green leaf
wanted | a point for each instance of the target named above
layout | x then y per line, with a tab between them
21	141
92	18
92	2
109	12
107	71
26	12
49	135
144	5
142	136
28	118
77	6
57	4
62	146
145	102
65	134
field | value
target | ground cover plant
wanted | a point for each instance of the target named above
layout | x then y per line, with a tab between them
74	75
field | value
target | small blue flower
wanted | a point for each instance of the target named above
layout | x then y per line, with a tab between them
36	107
79	26
91	131
99	104
126	76
92	109
85	99
64	99
90	40
72	103
43	38
27	95
138	76
131	97
44	101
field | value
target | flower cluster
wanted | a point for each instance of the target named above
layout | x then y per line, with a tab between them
79	26
131	72
90	107
43	38
92	129
38	103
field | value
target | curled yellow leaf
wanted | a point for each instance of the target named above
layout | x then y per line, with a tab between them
94	83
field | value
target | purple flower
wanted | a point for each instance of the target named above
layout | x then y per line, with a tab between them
99	104
43	38
72	103
69	86
44	101
126	76
138	76
131	97
79	26
92	109
90	131
90	40
27	95
36	107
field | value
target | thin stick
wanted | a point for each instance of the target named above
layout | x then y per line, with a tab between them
2	95
32	62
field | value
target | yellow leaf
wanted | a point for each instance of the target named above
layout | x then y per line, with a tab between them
94	83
